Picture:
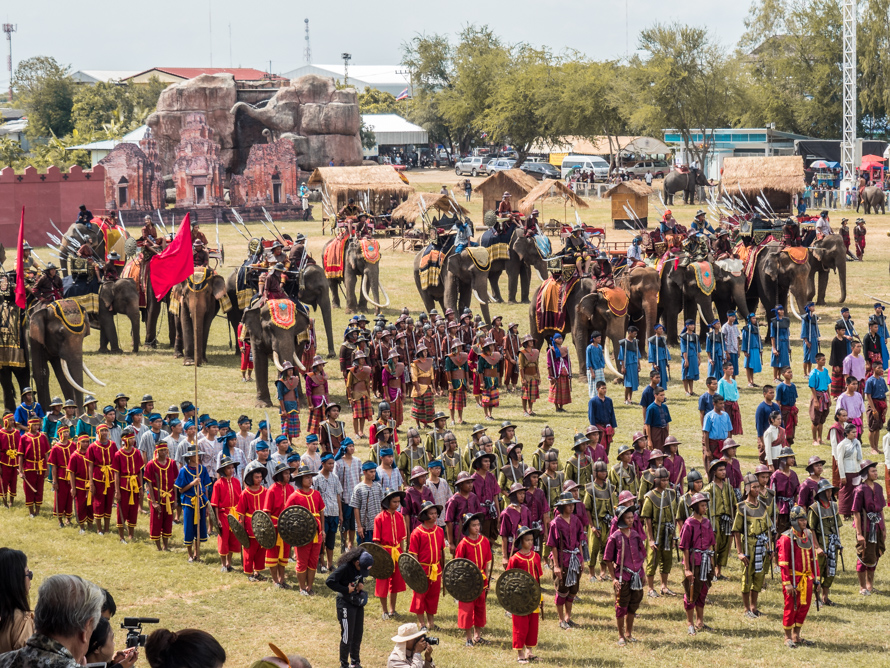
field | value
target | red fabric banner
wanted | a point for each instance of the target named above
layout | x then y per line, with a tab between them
176	263
21	295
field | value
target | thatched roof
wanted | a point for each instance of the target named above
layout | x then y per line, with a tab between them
634	186
345	182
410	210
543	189
514	181
779	174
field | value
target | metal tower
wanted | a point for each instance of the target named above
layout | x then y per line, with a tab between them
307	51
848	137
9	28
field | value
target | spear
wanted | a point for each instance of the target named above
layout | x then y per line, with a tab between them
161	221
246	238
272	222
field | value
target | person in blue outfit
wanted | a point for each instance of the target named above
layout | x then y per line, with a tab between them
809	334
786	397
659	356
689	350
849	328
714	349
648	395
780	338
595	360
629	363
700	223
752	348
463	235
27	410
601	412
879	317
192	484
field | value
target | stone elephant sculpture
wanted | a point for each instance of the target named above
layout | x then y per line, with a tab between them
684	182
730	291
460	278
56	333
281	338
871	197
684	292
776	274
198	300
641	286
118	297
585	310
826	255
361	265
523	256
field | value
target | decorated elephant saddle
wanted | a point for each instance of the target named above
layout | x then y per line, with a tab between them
498	245
333	257
71	315
430	267
704	277
798	254
199	280
480	257
371	250
283	312
616	299
550	309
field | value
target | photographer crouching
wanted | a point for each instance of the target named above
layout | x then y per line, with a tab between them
348	581
413	648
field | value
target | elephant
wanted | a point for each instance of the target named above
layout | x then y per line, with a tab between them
199	302
314	292
680	291
523	255
14	355
357	266
281	343
71	241
676	181
775	275
59	344
730	291
586	310
871	197
120	296
460	278
641	286
152	310
827	254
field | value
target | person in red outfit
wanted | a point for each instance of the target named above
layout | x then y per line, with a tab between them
99	456
127	464
160	476
9	459
471	616
525	627
79	480
307	556
277	500
798	554
427	544
252	499
59	455
223	500
33	451
390	533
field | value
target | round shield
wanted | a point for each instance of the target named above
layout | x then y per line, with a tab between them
238	531
384	566
130	247
518	592
264	530
413	573
213	520
297	526
463	580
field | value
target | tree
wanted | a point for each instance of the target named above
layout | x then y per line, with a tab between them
10	152
369	139
45	90
114	109
373	101
873	45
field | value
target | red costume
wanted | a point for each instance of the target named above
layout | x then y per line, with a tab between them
390	532
59	455
428	545
163	480
805	571
307	556
525	627
248	503
276	500
83	498
128	466
224	499
9	462
479	552
34	448
100	456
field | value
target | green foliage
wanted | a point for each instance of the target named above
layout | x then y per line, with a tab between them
373	101
873	45
369	139
43	87
10	152
114	109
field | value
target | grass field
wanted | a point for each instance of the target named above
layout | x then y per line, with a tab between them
245	616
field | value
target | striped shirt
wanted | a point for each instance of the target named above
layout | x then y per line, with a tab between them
367	500
330	489
441	494
244	442
391	480
148	441
350	474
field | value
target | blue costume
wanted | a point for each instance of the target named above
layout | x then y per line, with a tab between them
714	349
849	329
690	346
658	416
881	319
601	412
809	332
752	347
647	397
25	412
194	502
596	365
780	335
659	356
820	380
786	395
629	355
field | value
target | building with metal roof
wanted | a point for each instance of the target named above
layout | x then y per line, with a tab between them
387	78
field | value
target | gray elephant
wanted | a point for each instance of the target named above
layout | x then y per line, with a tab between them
460	278
641	285
198	300
870	198
151	312
776	274
71	242
118	297
283	341
56	334
523	256
827	254
684	182
361	263
688	291
730	291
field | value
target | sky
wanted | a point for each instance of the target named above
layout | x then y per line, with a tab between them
114	35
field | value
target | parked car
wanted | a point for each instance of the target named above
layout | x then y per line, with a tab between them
473	166
540	170
581	163
500	165
658	168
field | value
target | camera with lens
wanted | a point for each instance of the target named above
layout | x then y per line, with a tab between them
431	641
133	627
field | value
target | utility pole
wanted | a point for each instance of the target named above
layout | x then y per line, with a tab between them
346	58
9	28
307	51
848	136
210	28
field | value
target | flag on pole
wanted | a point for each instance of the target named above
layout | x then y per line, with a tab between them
176	263
21	295
403	95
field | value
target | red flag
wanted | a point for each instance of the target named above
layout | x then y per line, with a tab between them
176	263
21	295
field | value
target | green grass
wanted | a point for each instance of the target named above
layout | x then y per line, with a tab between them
246	616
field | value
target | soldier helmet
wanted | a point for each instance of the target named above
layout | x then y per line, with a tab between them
113	256
749	480
797	513
50	266
824	486
382	406
660	473
600	466
691	478
697	498
551	456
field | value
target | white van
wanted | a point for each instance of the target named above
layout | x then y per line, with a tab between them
592	163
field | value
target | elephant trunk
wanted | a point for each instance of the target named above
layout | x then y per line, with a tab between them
842	277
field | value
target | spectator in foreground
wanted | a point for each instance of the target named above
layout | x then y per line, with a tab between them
411	650
101	648
68	609
189	648
16	618
281	660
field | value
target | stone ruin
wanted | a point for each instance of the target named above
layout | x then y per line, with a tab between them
198	173
133	176
270	177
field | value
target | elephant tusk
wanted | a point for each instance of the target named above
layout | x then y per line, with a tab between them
298	363
478	298
608	357
702	315
70	379
368	297
794	309
87	371
541	274
277	361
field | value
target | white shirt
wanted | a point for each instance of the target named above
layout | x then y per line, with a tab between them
147	443
822	226
771	451
633	253
730	338
648	179
849	455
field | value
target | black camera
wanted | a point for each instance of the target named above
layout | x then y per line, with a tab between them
133	626
431	641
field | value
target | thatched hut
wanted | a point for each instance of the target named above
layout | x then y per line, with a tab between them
371	186
633	195
776	178
513	181
435	204
550	188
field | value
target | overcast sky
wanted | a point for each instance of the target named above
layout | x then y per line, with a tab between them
115	35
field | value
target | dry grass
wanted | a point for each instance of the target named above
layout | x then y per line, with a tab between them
246	616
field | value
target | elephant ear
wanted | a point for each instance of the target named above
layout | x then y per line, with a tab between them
587	306
106	295
771	266
676	279
218	286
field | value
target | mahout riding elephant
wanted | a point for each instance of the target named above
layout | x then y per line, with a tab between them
281	335
118	297
641	284
686	182
56	333
730	294
687	290
827	254
776	274
199	298
871	197
361	262
460	278
522	256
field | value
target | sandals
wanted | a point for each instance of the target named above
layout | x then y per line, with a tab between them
621	642
480	641
790	644
565	626
667	592
691	630
750	614
652	594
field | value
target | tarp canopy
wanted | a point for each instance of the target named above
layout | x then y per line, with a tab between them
393	130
